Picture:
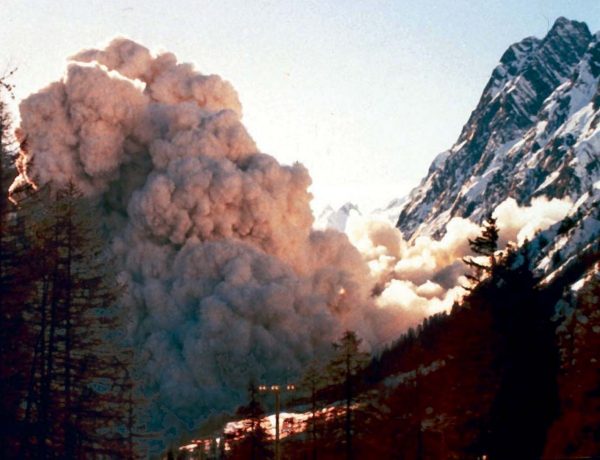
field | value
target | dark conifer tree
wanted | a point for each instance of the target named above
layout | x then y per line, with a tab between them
527	358
485	245
344	369
15	283
251	441
313	381
74	405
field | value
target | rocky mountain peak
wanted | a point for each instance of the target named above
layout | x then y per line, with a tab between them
534	132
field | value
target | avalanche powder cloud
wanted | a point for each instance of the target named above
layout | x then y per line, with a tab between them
424	276
226	279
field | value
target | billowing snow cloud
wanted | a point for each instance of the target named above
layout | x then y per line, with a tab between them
420	278
520	223
424	276
226	279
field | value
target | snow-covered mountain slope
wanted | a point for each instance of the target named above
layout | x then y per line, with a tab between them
570	242
535	132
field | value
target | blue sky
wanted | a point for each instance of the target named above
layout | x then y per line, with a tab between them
364	93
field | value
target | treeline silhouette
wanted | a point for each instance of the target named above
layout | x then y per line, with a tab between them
65	374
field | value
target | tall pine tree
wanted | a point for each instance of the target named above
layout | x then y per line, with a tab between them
485	245
344	368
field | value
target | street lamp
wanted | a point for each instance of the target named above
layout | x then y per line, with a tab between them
276	390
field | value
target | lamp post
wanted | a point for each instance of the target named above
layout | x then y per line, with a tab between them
276	390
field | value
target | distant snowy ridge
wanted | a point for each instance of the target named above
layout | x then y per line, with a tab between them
338	219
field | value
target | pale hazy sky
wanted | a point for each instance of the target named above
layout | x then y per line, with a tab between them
364	93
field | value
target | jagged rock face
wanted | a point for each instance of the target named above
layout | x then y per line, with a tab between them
535	132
